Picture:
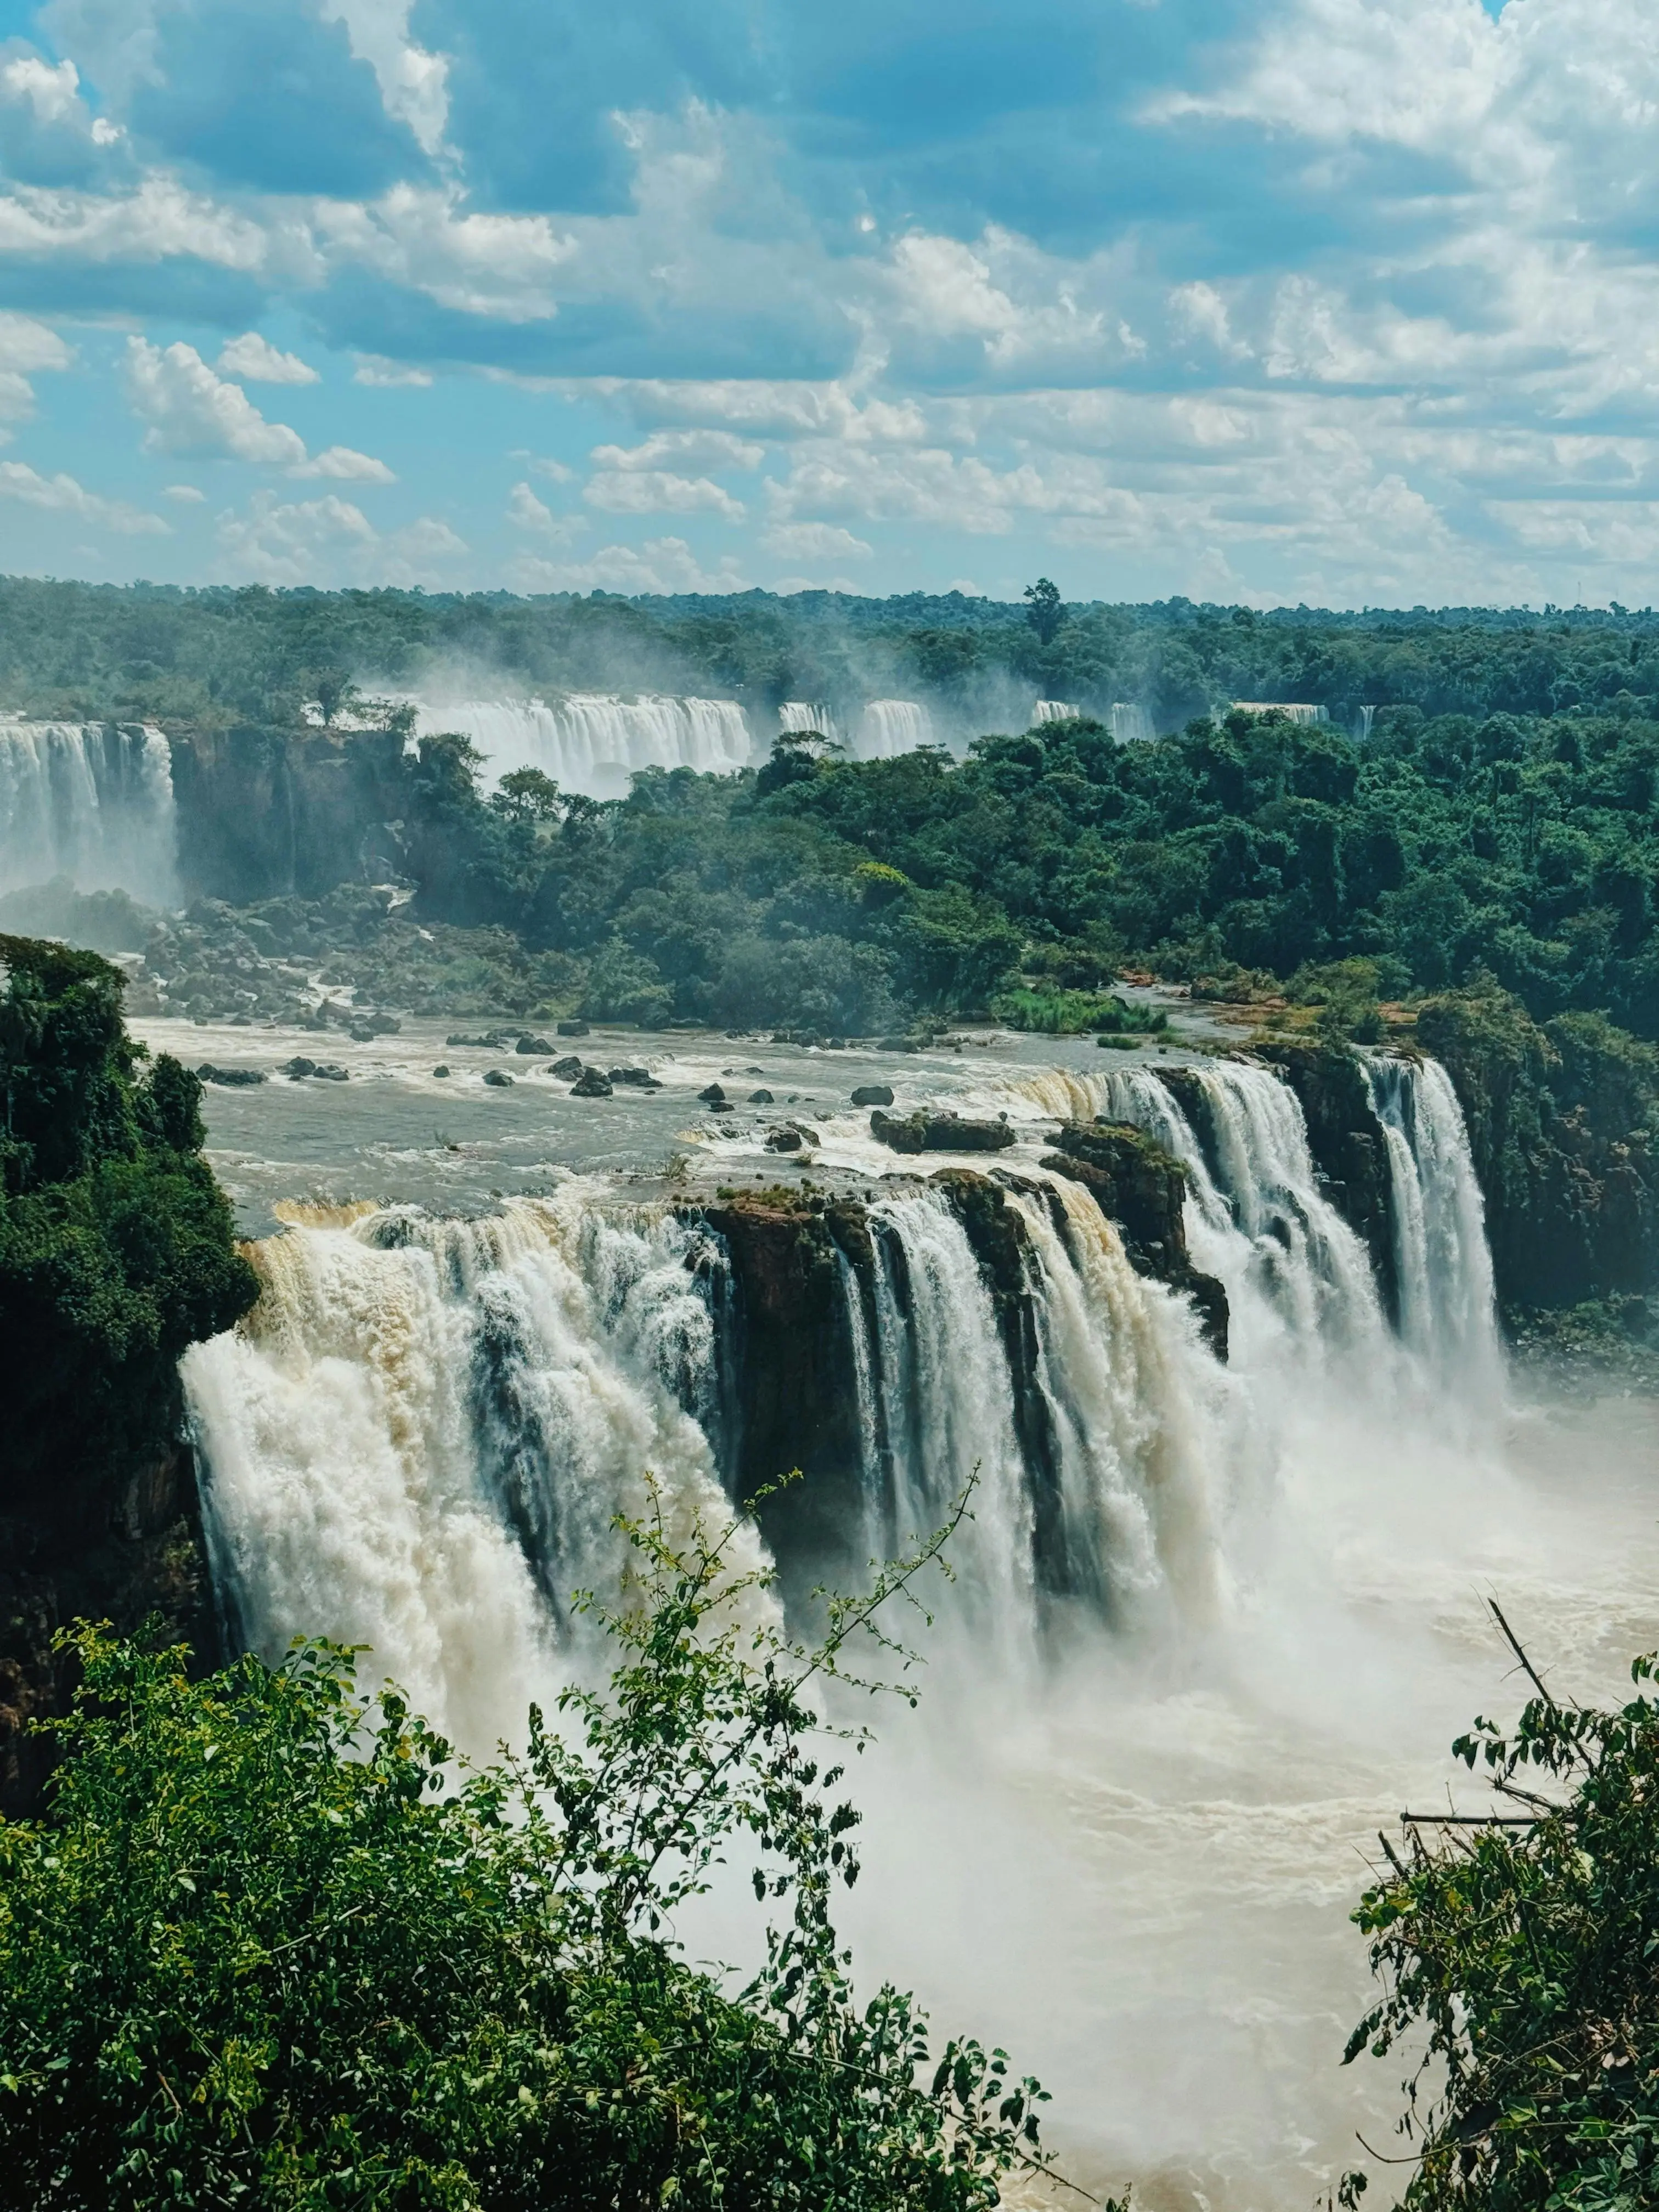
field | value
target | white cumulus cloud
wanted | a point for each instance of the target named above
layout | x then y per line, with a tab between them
189	409
329	541
256	361
62	495
814	540
656	491
683	449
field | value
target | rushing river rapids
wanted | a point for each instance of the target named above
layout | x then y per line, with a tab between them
1210	1624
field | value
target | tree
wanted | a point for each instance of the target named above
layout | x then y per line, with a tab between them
274	1945
526	794
1518	1957
1044	609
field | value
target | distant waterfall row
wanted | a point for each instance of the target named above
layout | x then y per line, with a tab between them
421	1438
592	742
89	800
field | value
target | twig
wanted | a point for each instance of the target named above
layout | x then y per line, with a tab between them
1514	1642
1472	1820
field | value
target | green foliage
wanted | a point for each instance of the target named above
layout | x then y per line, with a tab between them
1068	1013
116	1249
1524	1954
274	1946
1043	609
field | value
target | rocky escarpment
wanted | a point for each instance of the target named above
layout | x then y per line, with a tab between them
265	810
1347	1141
1142	1189
1563	1127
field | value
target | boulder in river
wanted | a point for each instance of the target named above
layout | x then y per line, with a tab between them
498	1079
441	1069
783	1140
299	1067
714	1096
874	1094
234	1078
571	1028
566	1069
590	1084
531	1047
939	1132
760	1098
330	1070
641	1077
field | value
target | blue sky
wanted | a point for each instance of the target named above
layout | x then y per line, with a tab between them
1353	302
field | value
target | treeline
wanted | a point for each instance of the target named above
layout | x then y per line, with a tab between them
826	893
219	655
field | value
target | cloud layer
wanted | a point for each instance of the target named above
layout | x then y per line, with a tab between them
1347	300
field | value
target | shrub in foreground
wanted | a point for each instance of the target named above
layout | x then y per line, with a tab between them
272	1946
1522	1962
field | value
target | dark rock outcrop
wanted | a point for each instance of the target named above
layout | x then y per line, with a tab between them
590	1084
233	1079
499	1079
265	810
792	1382
1142	1189
939	1132
874	1094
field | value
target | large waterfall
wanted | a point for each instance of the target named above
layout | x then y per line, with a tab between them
423	1433
89	800
1132	723
889	727
592	742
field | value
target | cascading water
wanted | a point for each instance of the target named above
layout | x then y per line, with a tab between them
1132	724
590	742
420	1438
89	800
1448	1311
891	727
796	716
1052	710
1293	710
946	1410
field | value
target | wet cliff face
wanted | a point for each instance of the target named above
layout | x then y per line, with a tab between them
790	1382
1143	1190
1564	1126
266	812
1347	1144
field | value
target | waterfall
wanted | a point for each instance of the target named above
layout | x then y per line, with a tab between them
946	1410
1052	710
1448	1311
1298	1279
89	800
1136	1404
798	714
592	741
419	1437
1132	724
1294	710
1367	716
889	727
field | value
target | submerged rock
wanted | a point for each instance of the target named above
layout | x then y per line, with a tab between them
498	1079
939	1131
234	1078
571	1029
330	1070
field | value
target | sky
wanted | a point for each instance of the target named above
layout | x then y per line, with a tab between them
1351	302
